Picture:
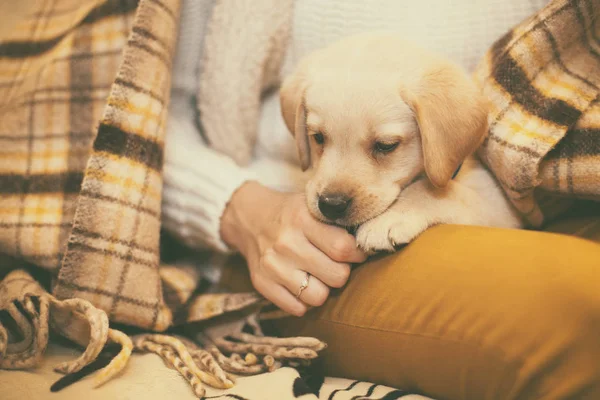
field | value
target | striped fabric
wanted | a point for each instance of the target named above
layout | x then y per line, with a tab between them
542	80
84	93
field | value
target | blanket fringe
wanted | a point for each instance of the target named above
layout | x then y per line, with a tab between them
32	324
216	361
213	357
33	315
119	362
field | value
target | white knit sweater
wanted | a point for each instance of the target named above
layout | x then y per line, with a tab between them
199	181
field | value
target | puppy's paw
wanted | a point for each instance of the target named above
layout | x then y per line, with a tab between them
390	230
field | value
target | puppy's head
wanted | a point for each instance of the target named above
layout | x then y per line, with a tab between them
372	113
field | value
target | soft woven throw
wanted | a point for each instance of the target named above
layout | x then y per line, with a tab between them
542	80
84	90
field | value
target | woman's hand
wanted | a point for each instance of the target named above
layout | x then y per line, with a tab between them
281	241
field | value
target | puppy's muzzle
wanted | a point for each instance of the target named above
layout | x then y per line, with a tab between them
334	206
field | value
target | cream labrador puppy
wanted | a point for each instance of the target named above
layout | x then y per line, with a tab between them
384	126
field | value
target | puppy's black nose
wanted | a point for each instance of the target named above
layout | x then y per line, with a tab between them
334	206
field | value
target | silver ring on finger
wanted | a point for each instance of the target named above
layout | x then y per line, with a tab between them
303	285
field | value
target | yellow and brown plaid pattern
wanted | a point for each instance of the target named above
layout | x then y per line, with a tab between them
84	91
112	255
56	70
542	80
83	88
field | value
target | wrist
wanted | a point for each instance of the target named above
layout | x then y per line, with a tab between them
241	220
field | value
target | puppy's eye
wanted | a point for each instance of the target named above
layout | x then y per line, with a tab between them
381	147
319	138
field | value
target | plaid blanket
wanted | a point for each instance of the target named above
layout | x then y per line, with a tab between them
542	79
84	89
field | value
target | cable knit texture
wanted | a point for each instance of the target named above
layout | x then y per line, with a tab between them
198	182
243	49
195	15
242	57
193	199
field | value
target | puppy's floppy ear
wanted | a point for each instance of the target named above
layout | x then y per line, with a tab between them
291	96
452	116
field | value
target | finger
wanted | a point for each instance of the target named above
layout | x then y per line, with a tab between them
315	294
308	258
334	241
285	271
280	296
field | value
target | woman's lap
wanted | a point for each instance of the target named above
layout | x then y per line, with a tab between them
469	313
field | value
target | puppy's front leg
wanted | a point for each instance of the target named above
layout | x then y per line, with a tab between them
422	205
418	207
